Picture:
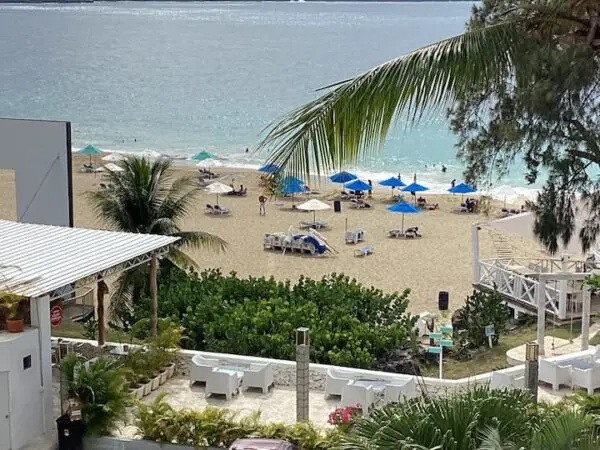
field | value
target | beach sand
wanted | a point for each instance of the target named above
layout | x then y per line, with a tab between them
439	261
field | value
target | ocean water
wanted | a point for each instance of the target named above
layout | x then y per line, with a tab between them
185	77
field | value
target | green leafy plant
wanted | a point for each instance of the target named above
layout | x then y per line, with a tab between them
12	305
90	329
214	427
101	388
480	310
350	325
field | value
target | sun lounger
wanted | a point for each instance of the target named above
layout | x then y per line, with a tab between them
318	224
412	233
208	209
219	210
354	237
364	251
461	208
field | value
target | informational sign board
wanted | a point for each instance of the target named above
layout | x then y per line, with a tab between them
56	315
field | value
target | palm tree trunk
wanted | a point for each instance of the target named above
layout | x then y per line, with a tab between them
101	289
153	295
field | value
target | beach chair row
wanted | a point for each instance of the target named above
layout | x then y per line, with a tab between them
409	233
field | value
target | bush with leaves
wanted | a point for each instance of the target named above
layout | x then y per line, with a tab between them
480	310
475	420
214	427
101	388
350	325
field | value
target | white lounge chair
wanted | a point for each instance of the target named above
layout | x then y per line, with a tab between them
596	354
554	373
586	378
354	237
220	210
335	380
502	380
369	250
259	376
399	390
358	395
201	368
224	382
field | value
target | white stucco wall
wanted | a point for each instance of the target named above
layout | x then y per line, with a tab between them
26	405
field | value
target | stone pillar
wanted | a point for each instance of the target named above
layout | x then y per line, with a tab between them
562	285
475	252
531	369
40	319
540	297
302	374
585	317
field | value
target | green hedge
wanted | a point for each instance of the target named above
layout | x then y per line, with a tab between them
214	427
350	325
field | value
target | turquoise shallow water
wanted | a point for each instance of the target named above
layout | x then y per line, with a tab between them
184	77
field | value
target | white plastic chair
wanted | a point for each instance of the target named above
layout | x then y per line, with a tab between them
554	373
502	380
399	390
335	380
259	376
201	368
358	395
222	382
586	378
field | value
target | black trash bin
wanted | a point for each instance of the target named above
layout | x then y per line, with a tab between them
70	433
443	301
337	206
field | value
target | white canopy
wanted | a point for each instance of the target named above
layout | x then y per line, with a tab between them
111	167
114	157
39	259
147	153
218	188
314	205
210	162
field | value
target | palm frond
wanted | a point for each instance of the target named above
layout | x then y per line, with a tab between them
355	116
200	239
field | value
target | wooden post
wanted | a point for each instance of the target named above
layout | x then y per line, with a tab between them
153	295
541	314
585	318
101	290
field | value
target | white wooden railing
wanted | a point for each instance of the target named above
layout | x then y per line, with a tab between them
540	265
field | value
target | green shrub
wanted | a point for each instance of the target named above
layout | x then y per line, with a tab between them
482	309
100	388
214	427
350	325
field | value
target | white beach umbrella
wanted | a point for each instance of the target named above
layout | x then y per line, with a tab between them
218	188
208	163
314	205
113	167
151	154
505	191
114	157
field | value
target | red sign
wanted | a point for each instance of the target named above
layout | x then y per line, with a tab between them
56	314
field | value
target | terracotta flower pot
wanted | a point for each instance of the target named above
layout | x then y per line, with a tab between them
15	325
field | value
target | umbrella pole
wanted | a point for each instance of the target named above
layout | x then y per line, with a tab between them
314	216
217	199
402	223
346	225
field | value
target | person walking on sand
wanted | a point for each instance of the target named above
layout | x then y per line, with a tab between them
371	188
262	200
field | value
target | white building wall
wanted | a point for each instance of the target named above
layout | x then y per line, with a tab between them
26	396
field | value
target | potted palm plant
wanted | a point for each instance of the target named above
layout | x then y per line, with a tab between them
12	305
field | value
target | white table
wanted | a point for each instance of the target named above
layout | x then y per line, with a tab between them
378	385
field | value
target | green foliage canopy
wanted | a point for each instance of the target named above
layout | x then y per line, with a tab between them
350	325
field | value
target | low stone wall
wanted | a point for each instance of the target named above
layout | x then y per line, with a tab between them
115	443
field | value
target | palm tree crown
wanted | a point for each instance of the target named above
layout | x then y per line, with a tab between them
146	198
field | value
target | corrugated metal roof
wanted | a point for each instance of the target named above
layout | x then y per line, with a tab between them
50	257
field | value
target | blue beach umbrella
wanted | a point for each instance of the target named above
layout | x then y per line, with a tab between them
89	150
291	188
415	187
462	188
269	168
357	185
291	180
392	182
342	177
403	208
201	156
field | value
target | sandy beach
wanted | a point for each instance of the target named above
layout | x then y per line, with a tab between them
439	261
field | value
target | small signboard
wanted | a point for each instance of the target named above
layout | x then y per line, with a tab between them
435	335
56	315
446	342
434	350
489	331
446	329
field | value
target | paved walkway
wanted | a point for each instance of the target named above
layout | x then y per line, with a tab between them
552	346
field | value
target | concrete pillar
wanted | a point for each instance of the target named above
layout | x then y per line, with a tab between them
475	252
40	318
532	369
585	317
302	374
541	313
562	285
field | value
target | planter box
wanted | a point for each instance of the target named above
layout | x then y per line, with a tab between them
147	388
155	383
138	392
163	376
171	370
